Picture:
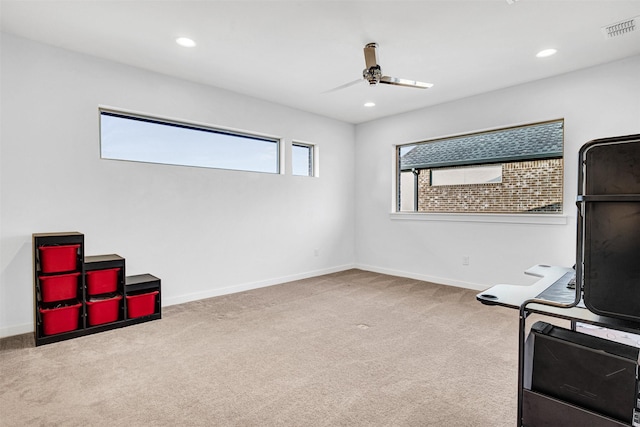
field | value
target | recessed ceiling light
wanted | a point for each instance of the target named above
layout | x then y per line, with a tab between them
185	41
545	53
369	104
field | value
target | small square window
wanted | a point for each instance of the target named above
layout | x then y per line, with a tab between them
302	159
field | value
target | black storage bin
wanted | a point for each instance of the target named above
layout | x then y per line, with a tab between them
587	372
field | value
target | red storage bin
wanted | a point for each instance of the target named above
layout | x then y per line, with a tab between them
61	319
103	310
141	304
102	281
56	259
59	287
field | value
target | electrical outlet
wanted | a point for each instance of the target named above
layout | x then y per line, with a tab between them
465	260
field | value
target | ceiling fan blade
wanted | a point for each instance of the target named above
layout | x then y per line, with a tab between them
344	86
370	58
404	82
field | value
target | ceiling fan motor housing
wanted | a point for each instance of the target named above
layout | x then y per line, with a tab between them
372	75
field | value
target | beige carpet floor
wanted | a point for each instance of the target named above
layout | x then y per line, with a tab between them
353	348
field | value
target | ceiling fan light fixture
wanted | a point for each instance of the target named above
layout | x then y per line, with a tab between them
546	52
185	42
405	82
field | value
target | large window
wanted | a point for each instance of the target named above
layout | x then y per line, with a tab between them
144	139
511	170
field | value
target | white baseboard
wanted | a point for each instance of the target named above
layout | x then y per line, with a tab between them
180	299
10	331
426	278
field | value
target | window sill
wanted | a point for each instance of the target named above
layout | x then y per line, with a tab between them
552	219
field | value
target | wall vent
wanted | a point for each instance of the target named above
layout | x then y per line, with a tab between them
621	28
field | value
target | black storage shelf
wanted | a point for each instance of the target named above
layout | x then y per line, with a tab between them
125	286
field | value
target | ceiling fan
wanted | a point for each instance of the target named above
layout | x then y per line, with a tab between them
373	73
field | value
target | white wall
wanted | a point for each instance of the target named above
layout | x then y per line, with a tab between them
204	232
598	102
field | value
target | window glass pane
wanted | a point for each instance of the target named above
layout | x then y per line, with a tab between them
407	189
511	170
302	159
466	176
146	140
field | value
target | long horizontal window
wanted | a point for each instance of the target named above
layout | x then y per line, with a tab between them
143	139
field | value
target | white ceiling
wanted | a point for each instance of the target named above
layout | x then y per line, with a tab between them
293	52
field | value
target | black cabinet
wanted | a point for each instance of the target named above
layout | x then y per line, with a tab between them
591	382
76	295
609	226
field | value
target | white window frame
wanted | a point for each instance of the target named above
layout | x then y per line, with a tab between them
395	214
312	159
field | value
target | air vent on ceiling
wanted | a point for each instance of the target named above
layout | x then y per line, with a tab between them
621	28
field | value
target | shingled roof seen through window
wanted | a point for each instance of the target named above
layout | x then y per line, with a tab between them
540	141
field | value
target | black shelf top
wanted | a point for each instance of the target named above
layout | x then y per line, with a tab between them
102	258
141	282
140	278
58	234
